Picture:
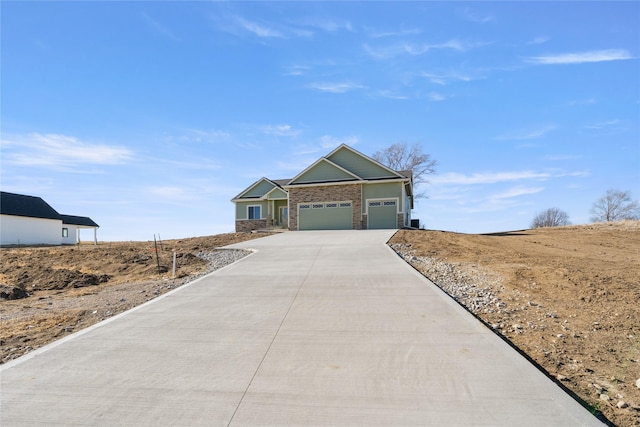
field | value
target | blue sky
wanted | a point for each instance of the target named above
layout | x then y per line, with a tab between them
150	116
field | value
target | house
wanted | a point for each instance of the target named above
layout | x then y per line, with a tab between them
29	220
344	190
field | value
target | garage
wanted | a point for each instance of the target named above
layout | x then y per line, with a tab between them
325	216
382	214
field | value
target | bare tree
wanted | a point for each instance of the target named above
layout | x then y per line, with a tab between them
400	157
615	205
552	217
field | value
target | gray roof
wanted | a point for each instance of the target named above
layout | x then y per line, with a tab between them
35	207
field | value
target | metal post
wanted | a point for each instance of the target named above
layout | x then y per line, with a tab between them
173	273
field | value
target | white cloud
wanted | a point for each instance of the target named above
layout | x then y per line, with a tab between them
336	87
581	57
328	25
61	151
540	40
487	177
201	135
259	30
472	16
160	28
417	49
446	78
331	142
526	135
516	192
397	33
436	97
296	70
281	130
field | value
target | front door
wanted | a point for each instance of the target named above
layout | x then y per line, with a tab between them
283	218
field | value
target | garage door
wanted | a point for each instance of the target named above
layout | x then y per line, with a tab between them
325	216
382	214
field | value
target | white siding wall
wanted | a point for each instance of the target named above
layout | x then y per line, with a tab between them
72	238
18	230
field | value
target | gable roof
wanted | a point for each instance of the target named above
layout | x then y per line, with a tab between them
29	206
324	170
361	164
260	188
344	164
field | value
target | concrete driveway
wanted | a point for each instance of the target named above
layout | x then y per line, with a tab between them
315	328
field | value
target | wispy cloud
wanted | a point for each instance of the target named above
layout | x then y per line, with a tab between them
60	152
516	192
296	70
281	130
389	94
160	28
202	135
376	34
324	144
328	142
607	127
443	79
336	87
578	102
539	40
326	24
477	17
526	135
487	177
455	178
417	49
581	57
258	29
436	97
560	157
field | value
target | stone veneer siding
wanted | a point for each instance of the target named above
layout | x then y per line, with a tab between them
329	193
247	225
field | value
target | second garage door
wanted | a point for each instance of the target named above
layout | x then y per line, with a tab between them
382	214
325	216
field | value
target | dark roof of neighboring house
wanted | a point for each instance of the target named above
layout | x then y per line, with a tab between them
78	220
35	207
29	206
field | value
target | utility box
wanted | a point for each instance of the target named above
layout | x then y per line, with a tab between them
415	223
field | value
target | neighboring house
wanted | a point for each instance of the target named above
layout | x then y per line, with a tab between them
344	190
29	220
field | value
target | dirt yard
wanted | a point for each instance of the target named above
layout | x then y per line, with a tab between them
568	298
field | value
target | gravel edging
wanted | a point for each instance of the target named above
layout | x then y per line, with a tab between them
473	288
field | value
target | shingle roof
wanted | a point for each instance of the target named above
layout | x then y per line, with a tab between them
35	207
29	206
78	220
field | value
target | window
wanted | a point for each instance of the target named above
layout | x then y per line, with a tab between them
331	205
317	205
65	232
390	203
253	212
306	206
375	204
345	204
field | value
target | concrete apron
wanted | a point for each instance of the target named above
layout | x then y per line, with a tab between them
315	328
